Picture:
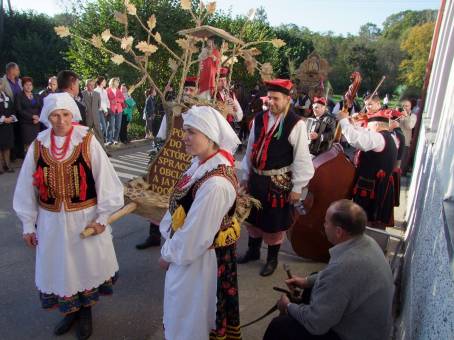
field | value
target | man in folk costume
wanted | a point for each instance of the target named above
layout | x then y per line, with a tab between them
66	183
277	165
228	98
375	159
322	131
201	288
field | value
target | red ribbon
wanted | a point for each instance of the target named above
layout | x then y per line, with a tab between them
228	156
83	183
38	181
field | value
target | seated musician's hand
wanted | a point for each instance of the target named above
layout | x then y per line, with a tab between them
300	282
282	304
294	197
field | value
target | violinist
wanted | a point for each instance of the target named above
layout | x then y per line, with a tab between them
376	156
322	131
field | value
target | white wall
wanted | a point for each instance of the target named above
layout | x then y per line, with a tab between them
427	310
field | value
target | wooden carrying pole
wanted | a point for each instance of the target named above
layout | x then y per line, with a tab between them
126	210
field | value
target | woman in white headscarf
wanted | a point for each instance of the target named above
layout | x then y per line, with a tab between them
65	184
201	290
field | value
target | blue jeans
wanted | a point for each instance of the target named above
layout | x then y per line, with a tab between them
102	123
114	127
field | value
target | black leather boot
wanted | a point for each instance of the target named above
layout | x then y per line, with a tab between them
66	323
153	240
253	251
271	260
85	324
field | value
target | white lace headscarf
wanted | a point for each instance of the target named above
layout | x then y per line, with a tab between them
213	125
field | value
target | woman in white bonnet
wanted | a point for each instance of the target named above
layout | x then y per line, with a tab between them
201	289
66	183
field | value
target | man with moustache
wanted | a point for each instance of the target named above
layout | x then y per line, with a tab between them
277	165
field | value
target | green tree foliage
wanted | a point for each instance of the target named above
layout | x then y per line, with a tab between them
299	46
417	46
369	32
99	15
362	58
397	24
398	49
30	41
257	29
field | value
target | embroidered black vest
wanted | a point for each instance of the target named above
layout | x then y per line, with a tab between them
280	151
373	167
185	198
69	182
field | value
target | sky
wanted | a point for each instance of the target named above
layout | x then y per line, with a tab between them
338	16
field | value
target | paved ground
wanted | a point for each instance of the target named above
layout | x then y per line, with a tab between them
135	310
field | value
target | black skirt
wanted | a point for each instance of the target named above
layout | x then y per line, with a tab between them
29	132
272	192
6	136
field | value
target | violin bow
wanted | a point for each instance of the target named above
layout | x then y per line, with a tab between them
374	93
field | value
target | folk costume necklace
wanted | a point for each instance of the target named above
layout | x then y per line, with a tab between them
186	178
59	152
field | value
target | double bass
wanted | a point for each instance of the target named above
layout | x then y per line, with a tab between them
333	180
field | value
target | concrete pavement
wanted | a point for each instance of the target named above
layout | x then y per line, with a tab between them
135	310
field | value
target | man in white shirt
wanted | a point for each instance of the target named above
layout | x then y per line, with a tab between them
375	160
277	165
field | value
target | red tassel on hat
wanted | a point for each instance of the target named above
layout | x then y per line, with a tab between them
83	184
363	193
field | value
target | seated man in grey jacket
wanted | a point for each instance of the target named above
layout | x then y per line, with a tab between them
351	298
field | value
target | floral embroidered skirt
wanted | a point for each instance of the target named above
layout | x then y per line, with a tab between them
71	304
228	313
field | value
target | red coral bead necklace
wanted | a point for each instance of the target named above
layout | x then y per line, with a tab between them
59	152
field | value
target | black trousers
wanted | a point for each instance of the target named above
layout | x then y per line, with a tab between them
285	327
124	130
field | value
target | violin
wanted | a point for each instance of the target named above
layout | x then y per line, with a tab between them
361	116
